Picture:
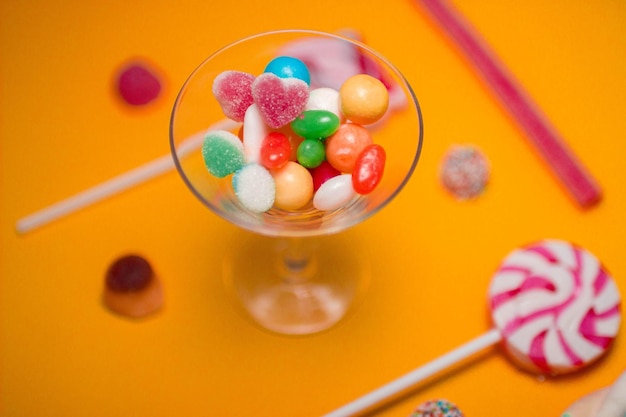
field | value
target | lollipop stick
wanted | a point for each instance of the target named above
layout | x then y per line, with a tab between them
115	185
418	375
542	135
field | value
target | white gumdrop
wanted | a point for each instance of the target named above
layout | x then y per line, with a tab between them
255	188
254	131
334	193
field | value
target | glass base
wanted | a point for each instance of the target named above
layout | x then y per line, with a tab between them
297	286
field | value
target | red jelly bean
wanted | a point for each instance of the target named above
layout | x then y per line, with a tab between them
323	173
275	150
368	169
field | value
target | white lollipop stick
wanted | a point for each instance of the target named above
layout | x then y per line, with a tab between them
553	305
117	184
614	404
418	375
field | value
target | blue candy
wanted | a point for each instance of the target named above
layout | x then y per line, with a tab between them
289	67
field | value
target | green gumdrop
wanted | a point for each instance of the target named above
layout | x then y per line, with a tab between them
315	124
311	153
222	152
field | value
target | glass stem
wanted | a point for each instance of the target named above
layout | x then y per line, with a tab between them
297	261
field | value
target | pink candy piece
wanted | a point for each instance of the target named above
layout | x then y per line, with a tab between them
280	100
233	90
138	85
555	306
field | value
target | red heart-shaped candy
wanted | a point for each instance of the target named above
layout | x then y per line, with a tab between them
280	100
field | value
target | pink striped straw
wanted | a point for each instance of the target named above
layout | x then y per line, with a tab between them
577	180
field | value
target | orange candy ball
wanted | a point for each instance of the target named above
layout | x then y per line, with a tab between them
345	145
363	98
294	186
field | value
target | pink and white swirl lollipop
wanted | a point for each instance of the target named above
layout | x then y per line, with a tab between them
554	308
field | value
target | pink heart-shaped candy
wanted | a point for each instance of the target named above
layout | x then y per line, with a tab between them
233	90
280	100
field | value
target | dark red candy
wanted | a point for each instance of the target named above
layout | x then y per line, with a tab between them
368	169
138	85
129	273
323	173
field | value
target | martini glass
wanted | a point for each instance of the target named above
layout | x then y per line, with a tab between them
292	272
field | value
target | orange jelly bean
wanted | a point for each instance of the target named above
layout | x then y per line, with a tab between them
363	99
343	147
294	186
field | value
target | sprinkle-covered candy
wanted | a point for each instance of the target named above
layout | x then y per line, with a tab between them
437	408
222	152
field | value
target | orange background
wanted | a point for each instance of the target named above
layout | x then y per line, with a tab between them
62	131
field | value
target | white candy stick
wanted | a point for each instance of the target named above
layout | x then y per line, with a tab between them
117	184
431	368
614	404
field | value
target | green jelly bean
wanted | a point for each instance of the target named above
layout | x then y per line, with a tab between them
311	153
315	124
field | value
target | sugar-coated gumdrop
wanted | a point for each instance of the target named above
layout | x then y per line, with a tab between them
222	152
294	186
138	85
324	98
368	169
315	124
233	91
254	188
343	147
254	131
289	67
465	171
275	150
311	153
363	99
437	408
323	173
334	193
280	100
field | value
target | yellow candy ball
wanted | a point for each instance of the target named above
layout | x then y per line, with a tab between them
294	186
363	99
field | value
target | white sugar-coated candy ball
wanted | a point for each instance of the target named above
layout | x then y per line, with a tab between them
254	131
324	98
334	193
255	188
